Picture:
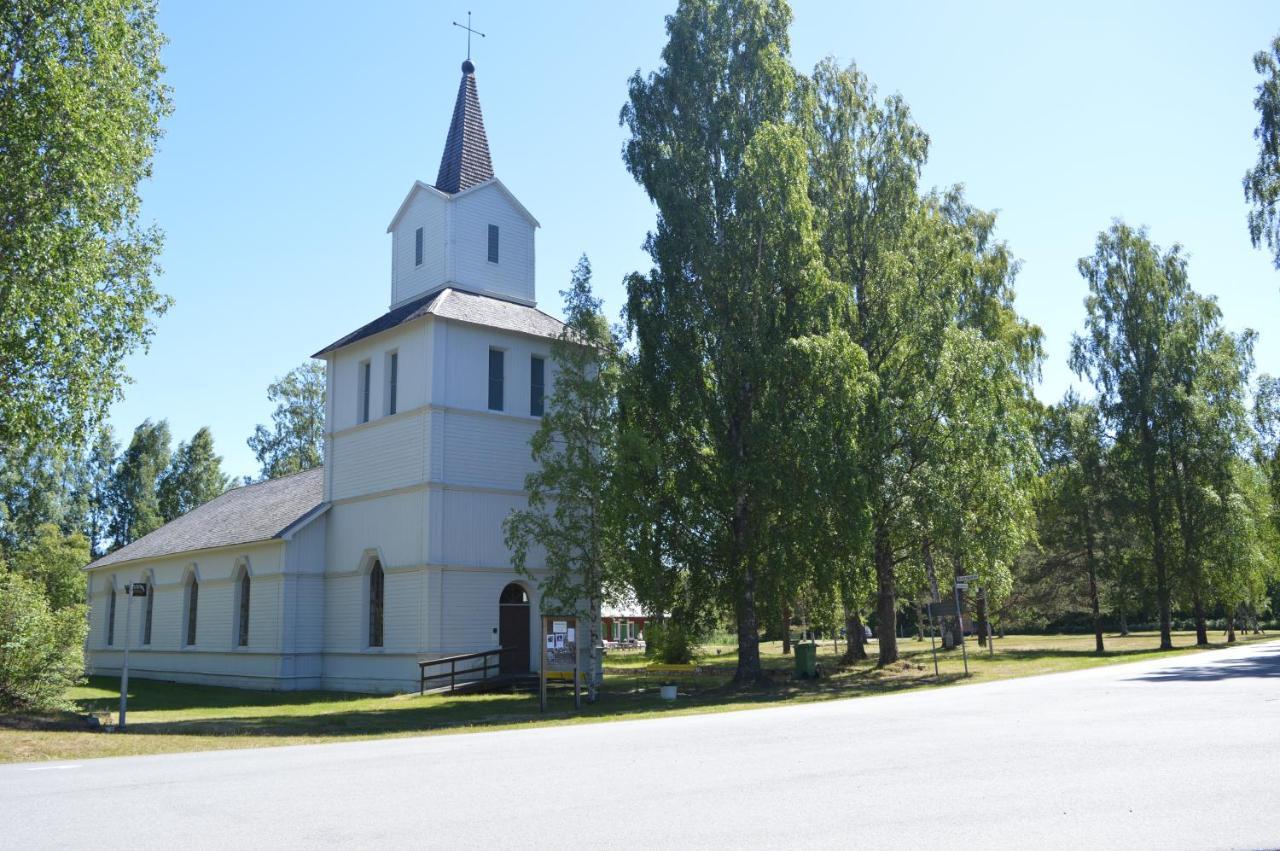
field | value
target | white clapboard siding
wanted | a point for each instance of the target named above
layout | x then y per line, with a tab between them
426	210
512	276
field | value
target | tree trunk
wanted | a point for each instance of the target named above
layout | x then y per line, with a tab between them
957	625
786	630
1092	569
886	599
919	623
1231	626
926	552
1190	569
1155	520
854	640
1124	623
749	670
982	620
1202	626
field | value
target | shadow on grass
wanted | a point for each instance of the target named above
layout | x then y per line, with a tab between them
621	697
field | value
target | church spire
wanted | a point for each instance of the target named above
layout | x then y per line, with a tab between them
466	159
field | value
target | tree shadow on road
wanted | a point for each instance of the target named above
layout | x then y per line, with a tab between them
1264	664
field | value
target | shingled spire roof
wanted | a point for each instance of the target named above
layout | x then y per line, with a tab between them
466	150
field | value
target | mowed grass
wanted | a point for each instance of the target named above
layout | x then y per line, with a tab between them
168	717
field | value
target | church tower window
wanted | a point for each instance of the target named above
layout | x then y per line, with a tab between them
417	247
393	368
537	373
375	605
363	390
495	379
493	243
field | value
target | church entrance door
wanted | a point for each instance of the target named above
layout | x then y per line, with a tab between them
513	630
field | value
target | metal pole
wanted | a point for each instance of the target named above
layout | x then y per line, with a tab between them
960	620
542	667
124	667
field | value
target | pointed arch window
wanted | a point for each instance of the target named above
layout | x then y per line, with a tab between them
150	605
193	605
376	583
242	616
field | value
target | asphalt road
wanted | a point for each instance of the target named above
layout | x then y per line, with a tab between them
1175	753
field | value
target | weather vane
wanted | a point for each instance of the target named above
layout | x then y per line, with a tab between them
469	32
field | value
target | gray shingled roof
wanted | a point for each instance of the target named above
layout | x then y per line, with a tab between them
466	160
460	306
242	515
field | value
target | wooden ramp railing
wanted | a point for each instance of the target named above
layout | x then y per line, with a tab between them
454	671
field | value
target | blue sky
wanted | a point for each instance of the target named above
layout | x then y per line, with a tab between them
298	129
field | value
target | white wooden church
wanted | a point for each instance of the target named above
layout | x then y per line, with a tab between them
344	577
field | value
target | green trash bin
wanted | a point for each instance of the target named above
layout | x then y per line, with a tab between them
807	659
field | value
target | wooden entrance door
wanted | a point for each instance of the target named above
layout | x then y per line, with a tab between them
513	630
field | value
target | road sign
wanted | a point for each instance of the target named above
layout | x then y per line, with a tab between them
972	577
962	586
138	589
945	609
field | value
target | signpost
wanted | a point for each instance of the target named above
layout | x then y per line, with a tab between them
941	610
133	589
559	653
962	584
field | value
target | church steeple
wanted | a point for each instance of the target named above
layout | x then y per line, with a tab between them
466	159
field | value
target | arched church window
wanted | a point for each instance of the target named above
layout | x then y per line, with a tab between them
242	618
193	604
146	620
375	604
111	617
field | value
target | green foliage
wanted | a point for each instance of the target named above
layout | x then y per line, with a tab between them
1262	182
568	518
93	490
55	560
194	476
670	642
41	647
944	431
81	102
722	379
1266	418
295	441
134	498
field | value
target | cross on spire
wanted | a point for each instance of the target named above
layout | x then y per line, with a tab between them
469	32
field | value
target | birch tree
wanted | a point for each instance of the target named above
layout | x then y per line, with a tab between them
568	517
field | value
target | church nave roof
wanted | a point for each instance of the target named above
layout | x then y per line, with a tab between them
257	512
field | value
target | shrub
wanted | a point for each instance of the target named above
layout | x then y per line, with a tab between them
41	649
670	643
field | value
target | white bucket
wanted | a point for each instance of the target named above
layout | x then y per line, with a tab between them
668	692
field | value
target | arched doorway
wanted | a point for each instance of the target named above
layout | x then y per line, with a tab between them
513	630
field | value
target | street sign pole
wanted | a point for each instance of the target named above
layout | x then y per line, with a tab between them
542	668
960	620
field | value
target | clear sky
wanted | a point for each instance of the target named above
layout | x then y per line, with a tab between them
299	127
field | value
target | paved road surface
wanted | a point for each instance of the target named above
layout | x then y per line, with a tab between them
1183	752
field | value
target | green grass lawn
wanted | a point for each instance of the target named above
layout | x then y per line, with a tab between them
167	717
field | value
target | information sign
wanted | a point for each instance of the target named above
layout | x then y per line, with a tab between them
559	654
